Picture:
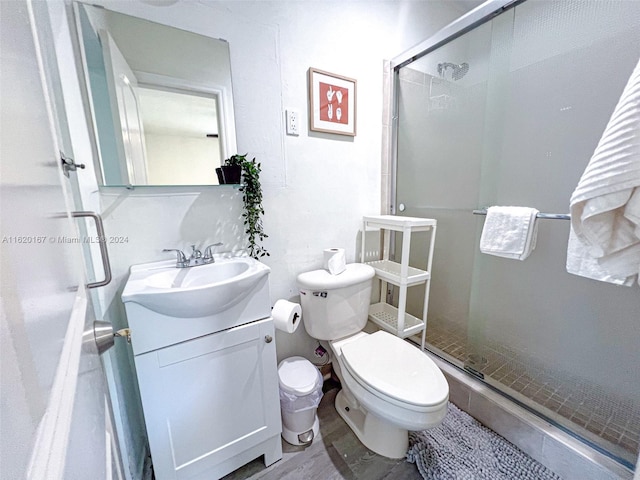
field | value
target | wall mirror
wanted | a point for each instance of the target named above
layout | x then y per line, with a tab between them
161	100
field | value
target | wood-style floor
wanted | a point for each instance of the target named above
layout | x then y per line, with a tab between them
336	453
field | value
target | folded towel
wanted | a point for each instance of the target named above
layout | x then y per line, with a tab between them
509	232
605	206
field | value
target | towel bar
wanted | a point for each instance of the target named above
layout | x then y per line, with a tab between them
551	216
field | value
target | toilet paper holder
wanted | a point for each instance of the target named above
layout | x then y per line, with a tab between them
286	315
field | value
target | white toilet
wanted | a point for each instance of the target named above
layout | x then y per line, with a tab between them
388	386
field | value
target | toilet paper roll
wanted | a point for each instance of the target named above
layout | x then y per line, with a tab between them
335	260
286	315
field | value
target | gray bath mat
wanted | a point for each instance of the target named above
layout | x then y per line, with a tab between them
461	448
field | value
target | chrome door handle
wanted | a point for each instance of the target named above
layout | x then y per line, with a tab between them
105	337
102	241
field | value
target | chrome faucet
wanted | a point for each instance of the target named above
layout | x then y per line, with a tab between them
196	257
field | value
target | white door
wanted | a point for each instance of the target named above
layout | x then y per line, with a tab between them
123	92
55	420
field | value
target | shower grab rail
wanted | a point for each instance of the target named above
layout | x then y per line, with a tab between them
548	216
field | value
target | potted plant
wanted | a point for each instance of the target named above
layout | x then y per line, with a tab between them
249	172
231	170
253	210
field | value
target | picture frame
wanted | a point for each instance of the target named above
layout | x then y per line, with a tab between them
332	103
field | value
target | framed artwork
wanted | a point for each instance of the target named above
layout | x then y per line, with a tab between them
332	103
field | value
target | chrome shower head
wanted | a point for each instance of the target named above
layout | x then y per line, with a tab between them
457	71
460	71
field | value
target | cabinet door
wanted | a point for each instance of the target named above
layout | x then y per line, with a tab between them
209	399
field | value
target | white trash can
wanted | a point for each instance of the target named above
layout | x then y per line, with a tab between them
300	394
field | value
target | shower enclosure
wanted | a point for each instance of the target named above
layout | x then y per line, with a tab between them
505	107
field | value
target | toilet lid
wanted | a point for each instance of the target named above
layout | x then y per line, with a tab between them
391	366
297	375
322	280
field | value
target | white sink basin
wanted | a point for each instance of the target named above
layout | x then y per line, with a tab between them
194	291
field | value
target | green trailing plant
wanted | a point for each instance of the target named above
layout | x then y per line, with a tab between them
235	160
252	199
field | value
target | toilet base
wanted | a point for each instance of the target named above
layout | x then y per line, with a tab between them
294	437
377	434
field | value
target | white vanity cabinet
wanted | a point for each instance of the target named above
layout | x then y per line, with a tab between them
211	404
209	387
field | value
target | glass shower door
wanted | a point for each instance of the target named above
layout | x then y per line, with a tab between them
441	102
509	114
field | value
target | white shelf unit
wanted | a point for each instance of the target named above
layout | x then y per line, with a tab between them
388	317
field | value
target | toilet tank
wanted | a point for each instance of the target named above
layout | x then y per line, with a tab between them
335	306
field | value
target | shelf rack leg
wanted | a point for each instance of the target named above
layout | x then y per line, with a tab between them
425	309
404	273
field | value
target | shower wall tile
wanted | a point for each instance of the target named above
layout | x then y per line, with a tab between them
386	94
386	157
385	154
385	204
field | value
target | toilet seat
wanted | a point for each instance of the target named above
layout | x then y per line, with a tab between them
390	368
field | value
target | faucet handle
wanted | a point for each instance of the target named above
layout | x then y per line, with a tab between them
208	252
181	259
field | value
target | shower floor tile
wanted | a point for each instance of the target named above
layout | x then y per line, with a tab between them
606	421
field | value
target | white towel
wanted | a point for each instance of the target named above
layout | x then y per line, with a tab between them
579	262
509	232
605	207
